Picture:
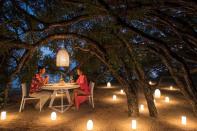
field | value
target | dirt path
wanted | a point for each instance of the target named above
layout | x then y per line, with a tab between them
108	115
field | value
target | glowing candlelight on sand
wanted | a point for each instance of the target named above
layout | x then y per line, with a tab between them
157	93
167	99
171	87
183	120
150	83
90	125
3	115
53	116
108	84
134	124
141	107
114	97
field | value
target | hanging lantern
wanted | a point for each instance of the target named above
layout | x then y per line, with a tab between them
157	93
90	125
62	58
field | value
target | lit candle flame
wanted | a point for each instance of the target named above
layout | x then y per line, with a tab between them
90	125
3	115
157	93
184	120
141	107
53	116
108	84
114	97
167	99
134	124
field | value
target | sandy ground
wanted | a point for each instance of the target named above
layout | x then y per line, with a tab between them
108	115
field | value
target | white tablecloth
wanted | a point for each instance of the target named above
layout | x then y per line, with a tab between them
58	86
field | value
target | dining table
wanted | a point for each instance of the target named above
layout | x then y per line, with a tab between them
62	89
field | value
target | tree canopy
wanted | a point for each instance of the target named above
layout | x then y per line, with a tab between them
133	40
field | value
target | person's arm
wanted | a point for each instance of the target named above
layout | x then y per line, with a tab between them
40	82
82	81
46	80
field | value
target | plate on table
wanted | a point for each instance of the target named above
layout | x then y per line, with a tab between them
73	83
48	85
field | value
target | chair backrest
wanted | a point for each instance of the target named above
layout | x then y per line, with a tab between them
24	90
91	85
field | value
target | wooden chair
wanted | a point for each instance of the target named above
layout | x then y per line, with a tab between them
82	98
91	96
26	98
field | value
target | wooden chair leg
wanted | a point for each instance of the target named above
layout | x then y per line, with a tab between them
40	106
92	102
21	105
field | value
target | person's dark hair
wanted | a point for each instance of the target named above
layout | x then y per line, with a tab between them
40	68
80	69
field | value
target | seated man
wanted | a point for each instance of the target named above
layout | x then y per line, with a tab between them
35	89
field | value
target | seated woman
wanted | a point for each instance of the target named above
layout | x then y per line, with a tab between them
83	83
35	89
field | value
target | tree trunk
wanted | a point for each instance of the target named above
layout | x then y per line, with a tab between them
142	80
132	99
133	106
150	102
20	65
147	92
6	91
